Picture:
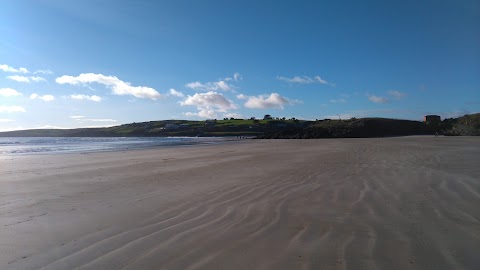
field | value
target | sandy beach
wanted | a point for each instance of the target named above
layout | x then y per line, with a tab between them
386	203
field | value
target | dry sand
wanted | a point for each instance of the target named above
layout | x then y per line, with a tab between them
395	203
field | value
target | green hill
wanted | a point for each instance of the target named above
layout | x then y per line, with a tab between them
467	125
210	128
356	128
278	128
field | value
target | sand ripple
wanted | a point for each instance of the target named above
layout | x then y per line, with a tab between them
398	203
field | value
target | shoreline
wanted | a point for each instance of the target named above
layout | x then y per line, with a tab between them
126	145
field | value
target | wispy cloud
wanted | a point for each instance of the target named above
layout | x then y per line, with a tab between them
46	98
338	116
222	84
377	99
237	76
7	68
82	119
9	92
176	93
37	79
117	86
43	71
19	78
210	86
5	120
208	104
100	120
396	94
339	100
376	113
86	97
50	127
305	80
274	100
26	79
11	109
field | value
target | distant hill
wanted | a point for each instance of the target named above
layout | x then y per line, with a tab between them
210	128
468	125
355	128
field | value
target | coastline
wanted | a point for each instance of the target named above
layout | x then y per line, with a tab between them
69	145
396	203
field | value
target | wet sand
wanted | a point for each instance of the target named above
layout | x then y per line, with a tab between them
388	203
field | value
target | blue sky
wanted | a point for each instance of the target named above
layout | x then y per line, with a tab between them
108	62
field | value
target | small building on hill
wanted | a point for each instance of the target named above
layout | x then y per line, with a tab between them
430	119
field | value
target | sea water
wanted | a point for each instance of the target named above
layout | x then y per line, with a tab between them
39	145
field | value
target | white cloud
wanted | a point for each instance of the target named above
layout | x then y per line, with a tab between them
320	80
237	76
37	79
49	127
204	113
117	86
222	84
19	78
43	71
234	115
7	68
339	116
176	93
9	92
377	99
296	79
100	120
274	100
25	79
210	86
194	85
208	104
86	97
11	109
396	94
305	80
82	118
5	120
340	100
209	99
99	126
46	98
